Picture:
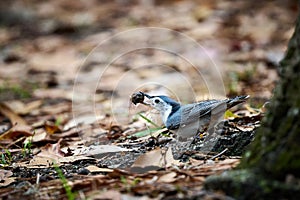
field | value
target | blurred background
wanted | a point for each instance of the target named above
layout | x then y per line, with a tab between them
72	51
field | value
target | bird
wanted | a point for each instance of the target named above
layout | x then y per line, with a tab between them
190	119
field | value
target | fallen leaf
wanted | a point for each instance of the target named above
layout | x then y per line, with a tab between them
45	162
212	167
93	168
5	178
71	159
57	108
16	132
51	128
109	194
103	149
195	162
37	137
167	178
157	157
53	93
11	115
19	125
24	108
68	133
5	174
39	162
51	151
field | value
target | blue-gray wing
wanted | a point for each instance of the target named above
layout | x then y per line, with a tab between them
194	118
198	112
202	110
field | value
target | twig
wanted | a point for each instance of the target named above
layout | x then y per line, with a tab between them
219	154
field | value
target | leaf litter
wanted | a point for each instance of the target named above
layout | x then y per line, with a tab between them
98	157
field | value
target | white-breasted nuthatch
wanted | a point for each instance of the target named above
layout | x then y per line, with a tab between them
190	119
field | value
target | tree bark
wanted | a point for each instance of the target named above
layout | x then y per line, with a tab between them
271	167
276	149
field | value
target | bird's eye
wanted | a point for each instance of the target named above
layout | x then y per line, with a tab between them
156	101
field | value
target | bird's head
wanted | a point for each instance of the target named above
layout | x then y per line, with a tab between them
165	105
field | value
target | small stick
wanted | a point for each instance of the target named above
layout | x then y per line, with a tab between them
219	154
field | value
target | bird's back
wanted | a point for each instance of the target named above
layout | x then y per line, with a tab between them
201	112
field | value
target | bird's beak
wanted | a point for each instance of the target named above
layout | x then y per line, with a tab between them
147	101
146	95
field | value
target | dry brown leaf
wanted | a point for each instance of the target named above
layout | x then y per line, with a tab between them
45	162
57	108
109	194
102	149
64	56
51	151
76	149
38	136
167	178
40	162
195	162
211	167
5	178
22	108
53	93
198	178
5	174
19	125
93	168
71	159
51	128
225	164
68	133
11	115
16	132
229	161
157	157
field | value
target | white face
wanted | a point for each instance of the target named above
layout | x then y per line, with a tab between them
164	108
158	103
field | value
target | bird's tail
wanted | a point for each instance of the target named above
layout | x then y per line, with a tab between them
236	100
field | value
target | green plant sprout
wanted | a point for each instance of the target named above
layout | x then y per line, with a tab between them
128	185
71	195
148	120
145	132
27	147
58	121
6	158
149	130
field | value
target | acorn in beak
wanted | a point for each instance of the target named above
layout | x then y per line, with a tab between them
139	97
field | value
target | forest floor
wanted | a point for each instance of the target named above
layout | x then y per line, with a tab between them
68	129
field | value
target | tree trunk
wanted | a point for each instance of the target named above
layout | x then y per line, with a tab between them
271	167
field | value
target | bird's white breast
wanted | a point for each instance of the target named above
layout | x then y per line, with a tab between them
165	114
